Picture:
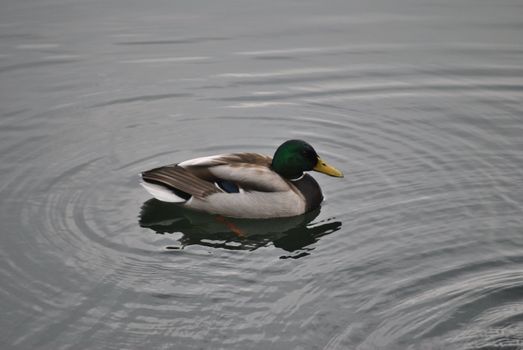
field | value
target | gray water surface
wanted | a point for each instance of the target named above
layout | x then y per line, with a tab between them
420	103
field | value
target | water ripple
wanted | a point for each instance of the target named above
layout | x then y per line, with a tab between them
144	98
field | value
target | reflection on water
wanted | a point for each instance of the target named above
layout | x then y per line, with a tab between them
294	235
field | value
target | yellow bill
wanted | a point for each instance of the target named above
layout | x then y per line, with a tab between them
325	168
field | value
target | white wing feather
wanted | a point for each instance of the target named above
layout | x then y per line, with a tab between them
161	193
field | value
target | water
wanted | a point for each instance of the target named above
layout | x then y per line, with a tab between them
418	102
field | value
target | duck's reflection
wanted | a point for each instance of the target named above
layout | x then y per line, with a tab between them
294	234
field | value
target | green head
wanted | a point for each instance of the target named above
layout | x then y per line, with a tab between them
294	157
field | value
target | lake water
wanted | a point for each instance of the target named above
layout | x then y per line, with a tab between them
420	103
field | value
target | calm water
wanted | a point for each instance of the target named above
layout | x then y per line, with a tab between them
420	103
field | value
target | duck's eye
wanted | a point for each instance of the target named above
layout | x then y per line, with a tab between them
308	154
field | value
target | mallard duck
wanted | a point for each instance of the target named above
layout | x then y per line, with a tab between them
244	185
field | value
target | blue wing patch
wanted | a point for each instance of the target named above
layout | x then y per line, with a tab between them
228	186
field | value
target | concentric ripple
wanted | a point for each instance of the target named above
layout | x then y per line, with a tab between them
418	247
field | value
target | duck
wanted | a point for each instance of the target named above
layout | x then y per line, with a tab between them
244	185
